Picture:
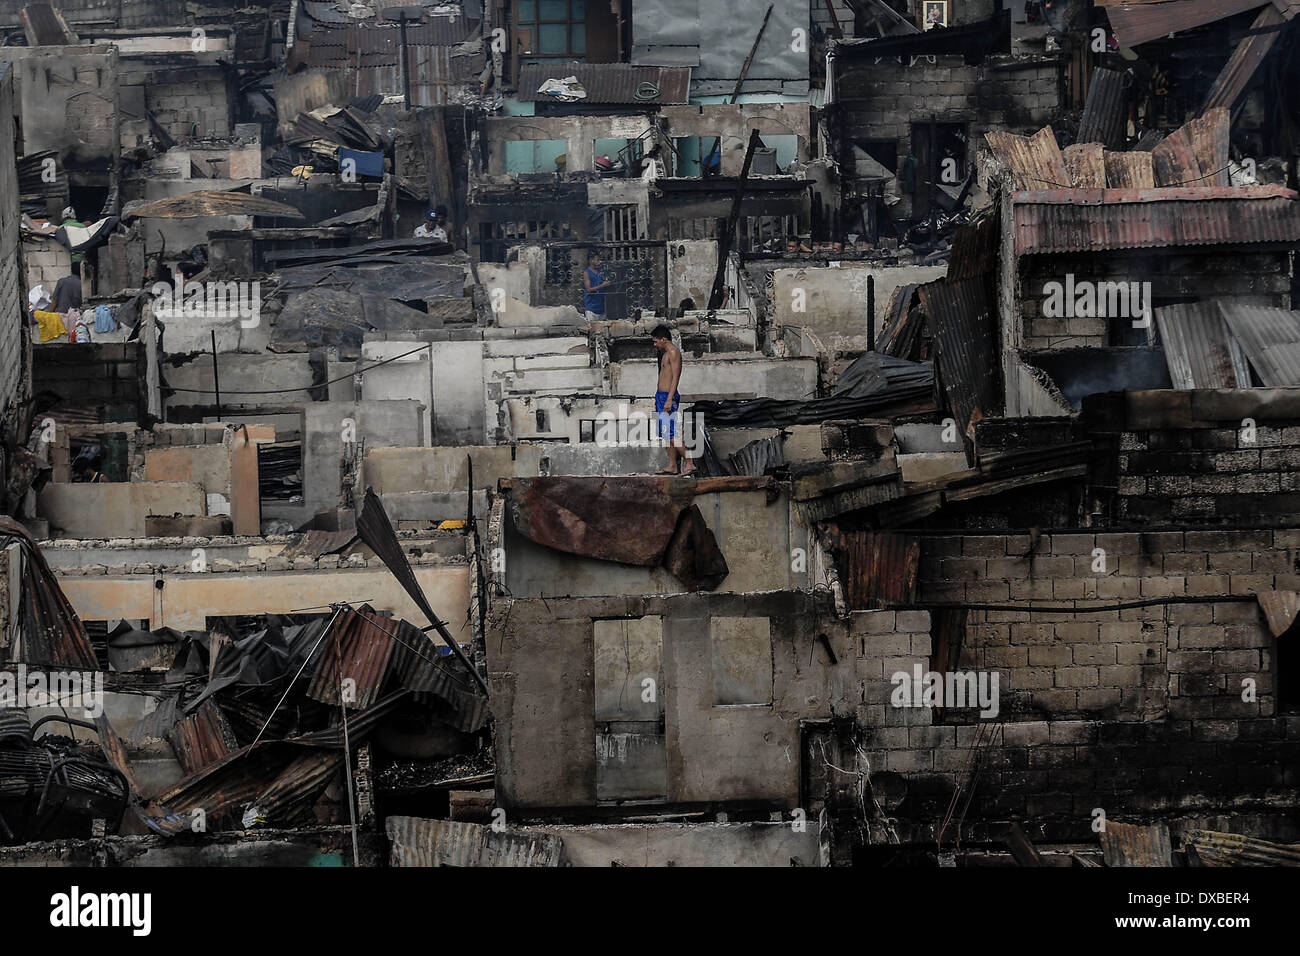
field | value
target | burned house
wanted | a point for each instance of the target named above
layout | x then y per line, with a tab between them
344	501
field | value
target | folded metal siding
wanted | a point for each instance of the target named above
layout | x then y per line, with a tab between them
1085	220
357	648
1270	339
1195	343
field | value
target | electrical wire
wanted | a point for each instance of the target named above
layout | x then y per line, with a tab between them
284	391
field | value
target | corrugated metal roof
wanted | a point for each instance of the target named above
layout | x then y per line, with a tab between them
1196	345
421	667
1138	22
609	82
372	55
418	842
974	248
1270	337
1104	119
963	330
1085	220
48	629
364	647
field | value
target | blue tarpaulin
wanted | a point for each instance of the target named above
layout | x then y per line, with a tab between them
366	164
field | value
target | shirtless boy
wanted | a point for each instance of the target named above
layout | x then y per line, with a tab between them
668	401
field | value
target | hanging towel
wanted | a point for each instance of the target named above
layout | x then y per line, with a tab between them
104	321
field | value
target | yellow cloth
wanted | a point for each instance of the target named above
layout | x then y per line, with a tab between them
51	325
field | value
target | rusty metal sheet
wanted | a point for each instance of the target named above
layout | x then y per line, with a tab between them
1129	170
629	519
48	631
964	333
419	842
202	738
616	83
1124	844
1138	21
210	202
1270	338
1234	849
974	250
1035	162
1105	119
1230	84
1195	154
1198	349
1280	609
880	568
357	648
1086	166
1084	220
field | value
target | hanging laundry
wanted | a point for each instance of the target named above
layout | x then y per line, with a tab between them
51	325
104	321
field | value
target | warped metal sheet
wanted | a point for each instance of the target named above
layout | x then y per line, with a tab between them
357	648
963	328
1035	162
1129	170
1280	609
1084	220
202	738
48	629
616	83
419	842
974	247
1086	165
1197	350
1104	120
420	666
1270	338
1237	73
314	544
1195	154
1234	849
1134	23
1124	844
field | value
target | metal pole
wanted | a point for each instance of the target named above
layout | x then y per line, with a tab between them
406	64
347	750
871	313
216	378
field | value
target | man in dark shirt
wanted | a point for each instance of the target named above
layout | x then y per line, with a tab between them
67	294
593	280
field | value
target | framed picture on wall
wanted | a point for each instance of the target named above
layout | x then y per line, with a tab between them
934	13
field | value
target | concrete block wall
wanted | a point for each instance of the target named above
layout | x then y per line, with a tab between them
47	262
1257	278
1225	475
199	109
